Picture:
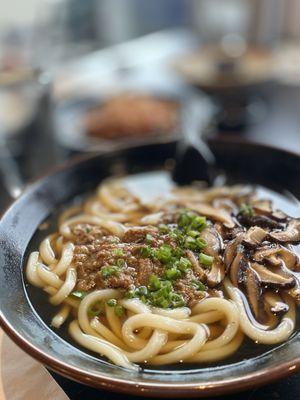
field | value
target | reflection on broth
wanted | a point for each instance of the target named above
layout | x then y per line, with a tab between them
172	275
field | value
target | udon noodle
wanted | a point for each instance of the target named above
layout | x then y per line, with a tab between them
179	280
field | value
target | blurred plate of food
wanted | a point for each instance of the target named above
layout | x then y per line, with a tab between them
118	118
214	68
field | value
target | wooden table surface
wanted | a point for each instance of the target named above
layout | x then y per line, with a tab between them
24	378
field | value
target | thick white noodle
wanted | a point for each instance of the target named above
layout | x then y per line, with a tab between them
100	346
46	250
31	270
176	313
61	316
49	277
66	288
212	330
65	260
277	335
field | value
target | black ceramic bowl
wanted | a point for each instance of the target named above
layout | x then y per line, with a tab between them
242	163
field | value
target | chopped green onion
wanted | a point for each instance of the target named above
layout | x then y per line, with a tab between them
111	302
199	223
164	303
172	273
88	229
119	311
118	252
78	294
190	243
201	243
163	254
143	299
177	252
206	260
109	271
177	300
163	228
149	238
175	234
184	219
120	262
193	234
145	251
130	294
166	286
142	291
198	285
154	283
246	210
138	292
184	264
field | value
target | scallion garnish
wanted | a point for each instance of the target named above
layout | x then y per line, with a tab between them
108	271
184	264
119	311
198	285
78	294
163	228
120	262
246	210
111	302
154	283
172	273
145	251
118	252
149	238
206	260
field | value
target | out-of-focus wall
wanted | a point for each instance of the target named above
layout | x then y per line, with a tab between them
52	30
17	12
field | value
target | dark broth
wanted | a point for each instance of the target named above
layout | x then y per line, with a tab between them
142	182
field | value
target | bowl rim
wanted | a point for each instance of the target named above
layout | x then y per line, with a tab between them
176	390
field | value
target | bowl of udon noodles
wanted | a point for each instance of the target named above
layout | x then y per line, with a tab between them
130	283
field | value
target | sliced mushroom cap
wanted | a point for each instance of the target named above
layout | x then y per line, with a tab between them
276	254
225	204
254	294
152	219
231	250
212	213
228	233
266	222
277	305
295	293
290	258
254	236
216	274
267	253
272	279
238	267
196	265
213	240
264	207
280	216
290	235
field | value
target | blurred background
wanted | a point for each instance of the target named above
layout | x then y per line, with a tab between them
83	76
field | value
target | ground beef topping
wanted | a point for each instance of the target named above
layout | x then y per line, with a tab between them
162	265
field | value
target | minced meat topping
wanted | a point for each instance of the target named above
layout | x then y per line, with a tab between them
161	265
